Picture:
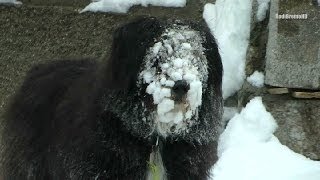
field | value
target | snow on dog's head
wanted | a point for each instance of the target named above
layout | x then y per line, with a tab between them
174	76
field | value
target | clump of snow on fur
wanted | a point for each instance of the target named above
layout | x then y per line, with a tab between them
256	79
229	22
179	56
248	150
122	6
165	106
14	2
195	94
263	6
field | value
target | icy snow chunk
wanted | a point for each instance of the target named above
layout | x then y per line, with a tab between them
165	92
163	81
165	66
195	94
148	76
165	106
176	76
186	45
189	77
178	63
157	47
256	79
169	83
122	6
151	88
169	48
263	6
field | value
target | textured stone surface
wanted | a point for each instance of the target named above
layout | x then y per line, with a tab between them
299	123
293	51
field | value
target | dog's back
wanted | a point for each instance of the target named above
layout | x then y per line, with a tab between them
29	120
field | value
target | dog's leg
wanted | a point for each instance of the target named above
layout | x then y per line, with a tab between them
189	162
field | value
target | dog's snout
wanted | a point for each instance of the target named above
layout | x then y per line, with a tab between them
180	89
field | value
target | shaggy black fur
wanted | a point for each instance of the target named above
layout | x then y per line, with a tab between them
65	122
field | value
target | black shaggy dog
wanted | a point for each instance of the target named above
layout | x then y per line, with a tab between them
152	111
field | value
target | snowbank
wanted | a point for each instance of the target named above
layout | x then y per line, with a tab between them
122	6
248	150
229	21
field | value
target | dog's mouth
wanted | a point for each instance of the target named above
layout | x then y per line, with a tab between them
179	112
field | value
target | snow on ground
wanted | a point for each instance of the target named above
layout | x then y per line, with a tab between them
229	21
256	79
122	6
263	6
248	150
10	2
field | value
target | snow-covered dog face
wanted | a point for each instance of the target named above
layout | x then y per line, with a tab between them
164	78
172	79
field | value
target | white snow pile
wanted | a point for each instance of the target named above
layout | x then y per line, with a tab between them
178	55
263	6
229	21
15	2
248	150
256	79
122	6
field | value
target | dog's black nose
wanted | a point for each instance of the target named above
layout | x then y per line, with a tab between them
180	89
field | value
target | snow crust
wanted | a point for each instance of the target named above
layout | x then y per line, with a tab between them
122	6
178	55
256	79
10	2
263	6
229	21
248	150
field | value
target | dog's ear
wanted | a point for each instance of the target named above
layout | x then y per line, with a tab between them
130	44
213	58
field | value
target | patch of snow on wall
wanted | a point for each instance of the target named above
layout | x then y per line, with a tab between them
248	150
263	6
122	6
229	22
256	79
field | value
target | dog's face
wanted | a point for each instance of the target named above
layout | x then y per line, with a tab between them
165	79
173	77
